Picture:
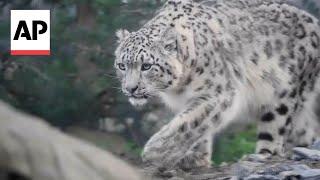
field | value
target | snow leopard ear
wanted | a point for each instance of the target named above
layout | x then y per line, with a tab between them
122	34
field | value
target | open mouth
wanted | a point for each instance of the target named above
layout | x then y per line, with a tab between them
138	101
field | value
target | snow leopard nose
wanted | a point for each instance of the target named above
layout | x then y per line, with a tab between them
131	89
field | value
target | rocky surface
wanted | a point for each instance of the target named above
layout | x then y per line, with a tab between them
301	164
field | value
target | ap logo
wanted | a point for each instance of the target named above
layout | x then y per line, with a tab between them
30	32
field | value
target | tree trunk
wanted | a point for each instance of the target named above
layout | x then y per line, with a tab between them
86	20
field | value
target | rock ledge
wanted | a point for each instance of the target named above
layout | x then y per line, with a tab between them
301	164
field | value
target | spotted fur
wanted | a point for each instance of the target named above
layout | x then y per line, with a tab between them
217	62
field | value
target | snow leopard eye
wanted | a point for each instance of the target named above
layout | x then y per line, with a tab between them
145	66
122	66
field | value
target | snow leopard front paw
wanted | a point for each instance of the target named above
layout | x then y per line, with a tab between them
167	147
176	147
158	150
195	160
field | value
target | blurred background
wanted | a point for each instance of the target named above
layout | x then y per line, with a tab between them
75	89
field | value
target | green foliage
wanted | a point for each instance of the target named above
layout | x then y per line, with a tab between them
107	3
312	7
232	146
133	148
52	95
50	87
4	28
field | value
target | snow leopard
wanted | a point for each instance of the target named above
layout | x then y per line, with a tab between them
218	62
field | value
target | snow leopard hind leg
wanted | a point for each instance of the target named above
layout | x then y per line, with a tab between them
291	121
274	127
306	126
